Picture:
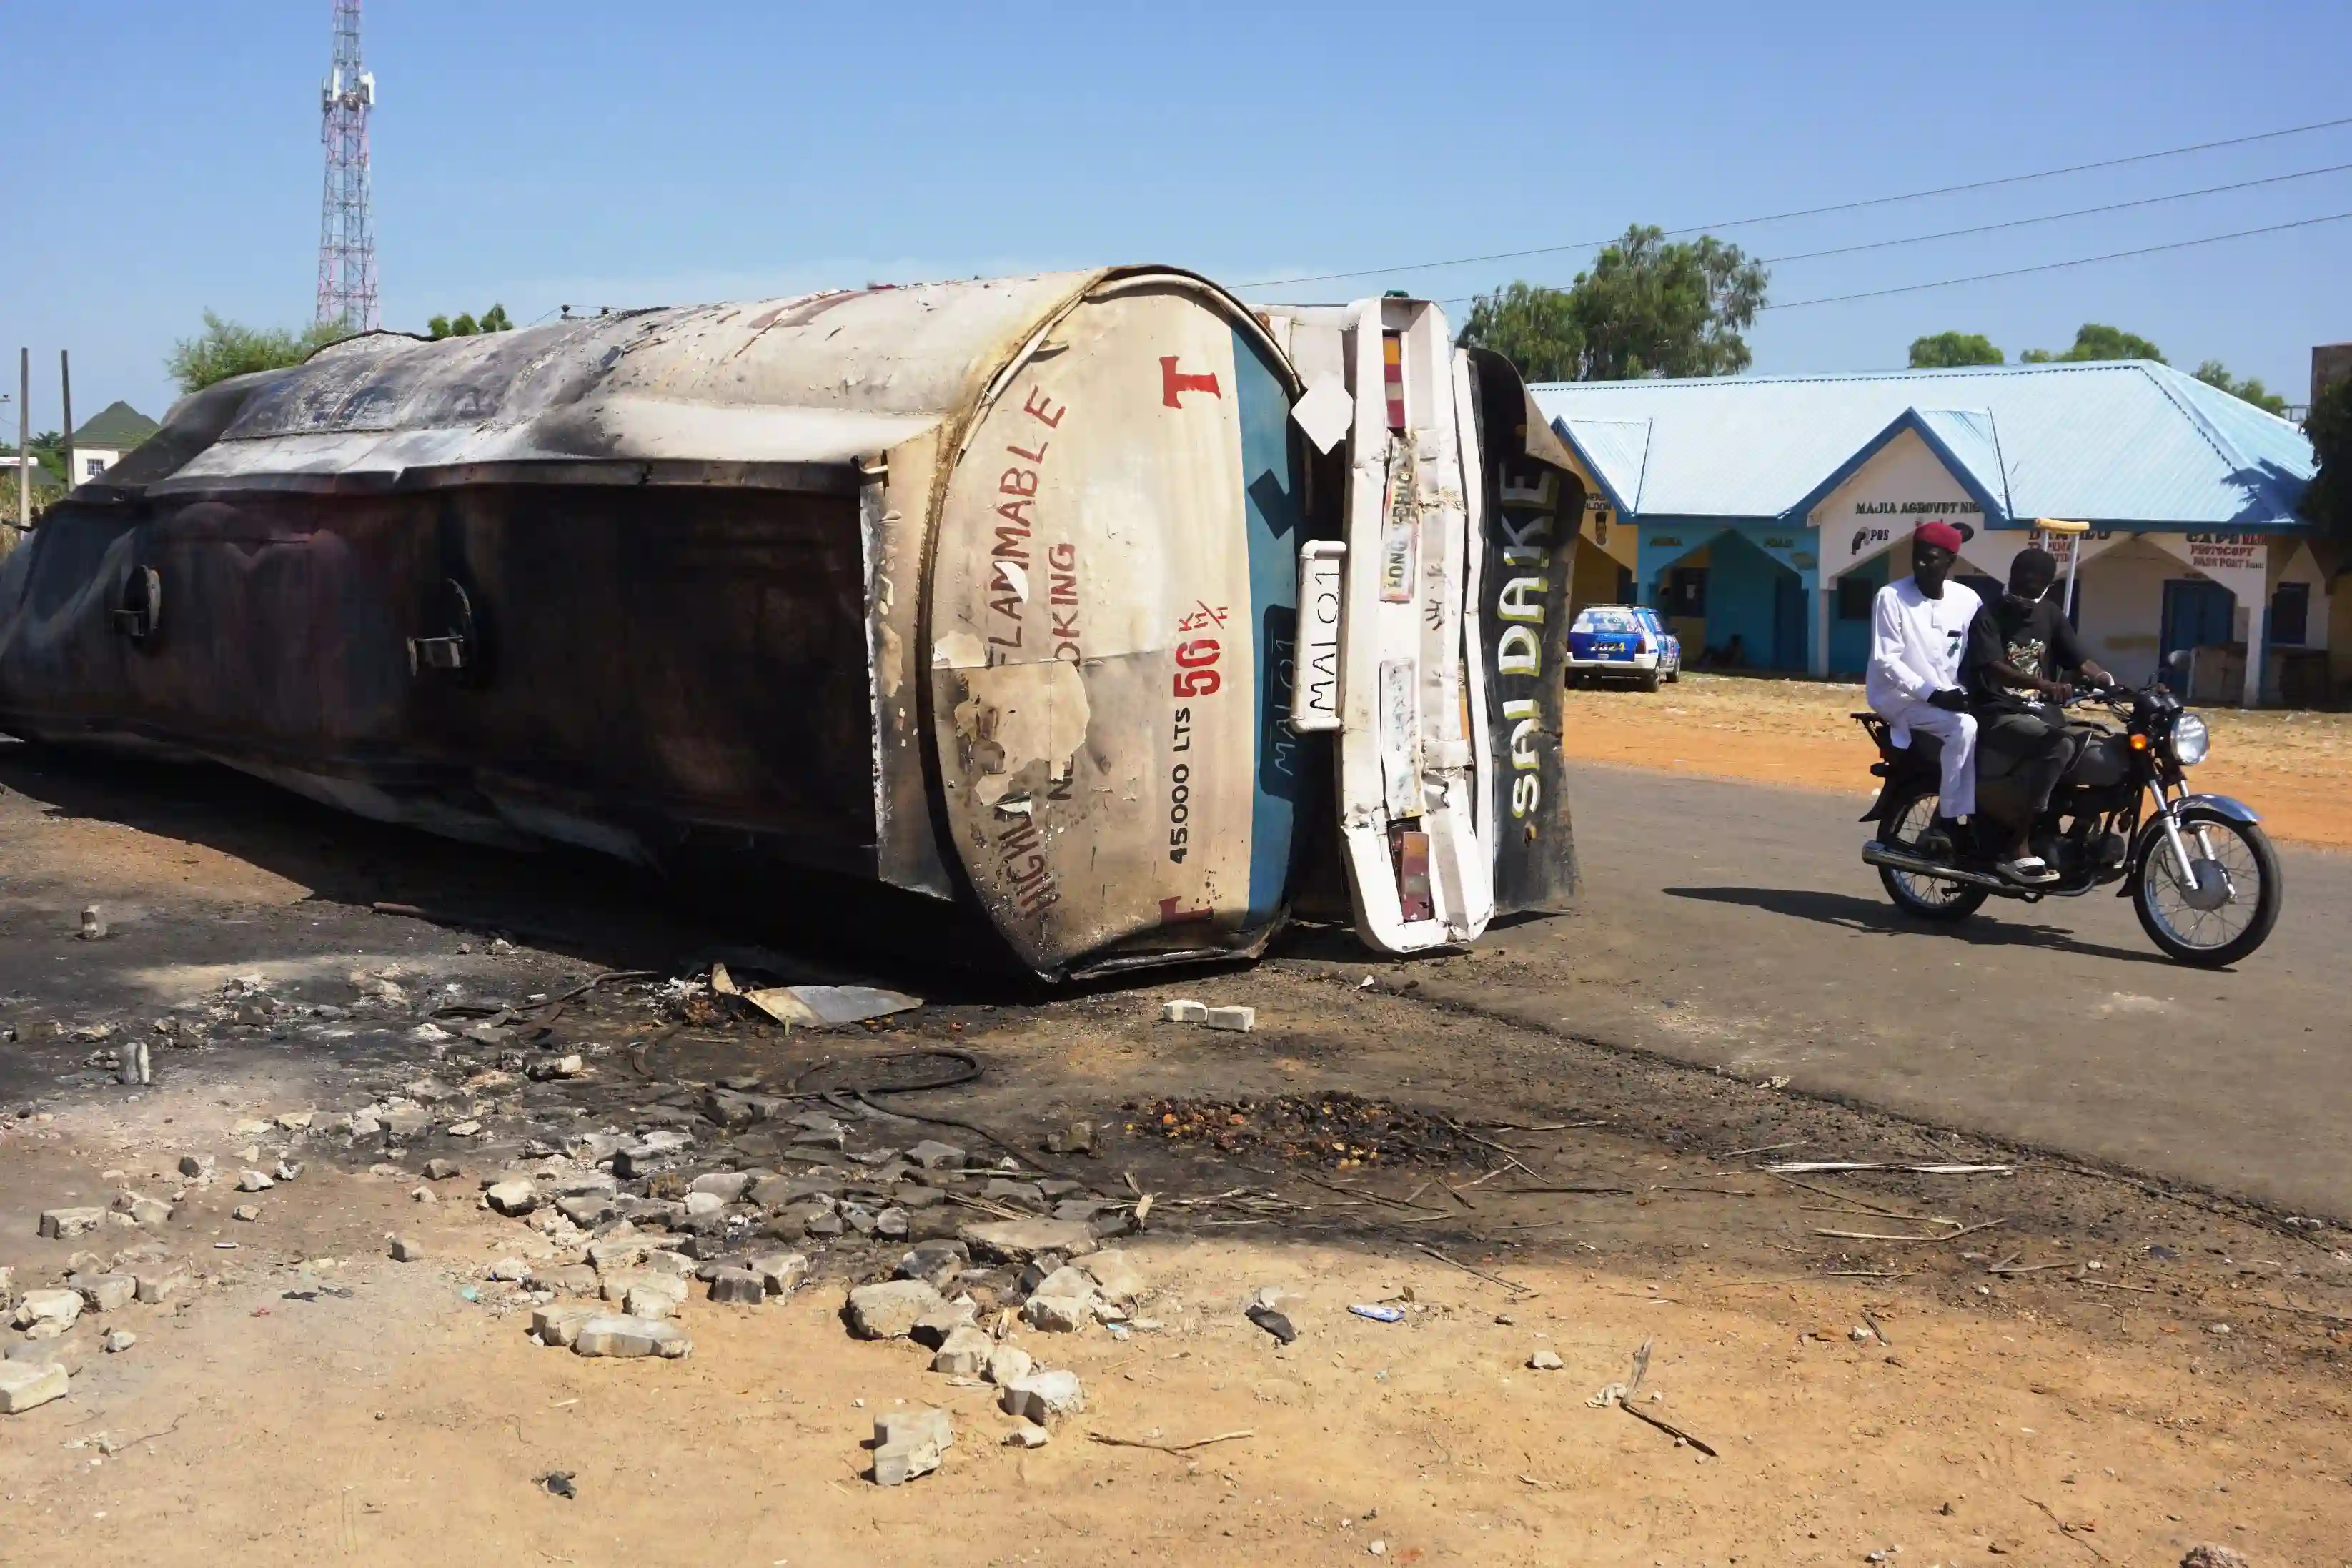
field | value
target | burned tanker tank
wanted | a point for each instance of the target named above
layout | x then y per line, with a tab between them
989	591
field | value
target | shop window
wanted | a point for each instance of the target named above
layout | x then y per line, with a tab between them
2290	614
1685	591
1854	594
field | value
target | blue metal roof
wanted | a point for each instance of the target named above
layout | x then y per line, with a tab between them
2126	442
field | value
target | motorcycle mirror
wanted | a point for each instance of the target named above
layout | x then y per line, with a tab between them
2177	659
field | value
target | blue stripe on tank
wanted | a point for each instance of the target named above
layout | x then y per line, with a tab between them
1270	486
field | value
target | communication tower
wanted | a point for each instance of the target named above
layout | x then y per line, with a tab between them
346	235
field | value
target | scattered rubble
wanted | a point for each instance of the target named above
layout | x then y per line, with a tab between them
405	1250
1338	1130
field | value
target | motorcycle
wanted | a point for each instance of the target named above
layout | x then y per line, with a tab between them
2200	872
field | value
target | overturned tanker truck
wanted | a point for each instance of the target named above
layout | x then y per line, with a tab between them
1095	605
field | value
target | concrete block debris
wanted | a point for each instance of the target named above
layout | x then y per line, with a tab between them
60	1225
1239	1020
25	1385
1183	1010
1043	1396
614	1334
891	1310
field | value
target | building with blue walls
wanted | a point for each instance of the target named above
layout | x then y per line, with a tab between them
1766	511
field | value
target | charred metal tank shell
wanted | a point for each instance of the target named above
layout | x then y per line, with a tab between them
982	590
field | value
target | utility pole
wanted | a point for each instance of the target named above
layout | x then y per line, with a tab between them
346	232
64	386
24	439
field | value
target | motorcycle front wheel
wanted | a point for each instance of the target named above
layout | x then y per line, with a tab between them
2233	901
1930	898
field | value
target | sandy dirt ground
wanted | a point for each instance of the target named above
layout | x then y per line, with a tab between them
2042	1363
2045	1364
2293	768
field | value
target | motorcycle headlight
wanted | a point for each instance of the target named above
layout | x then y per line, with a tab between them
2190	740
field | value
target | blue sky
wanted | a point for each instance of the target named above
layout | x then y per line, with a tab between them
163	159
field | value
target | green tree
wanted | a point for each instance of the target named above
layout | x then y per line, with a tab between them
1946	351
2328	501
1534	328
2214	373
1646	308
494	319
230	348
2094	342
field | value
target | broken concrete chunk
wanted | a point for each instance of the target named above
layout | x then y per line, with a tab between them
1069	1279
937	1263
781	1272
117	1340
166	1285
932	1156
513	1198
1544	1361
964	1353
248	1213
613	1335
1239	1019
896	1464
558	1068
564	1278
585	1209
441	1170
559	1324
922	1424
1008	1364
289	1169
1115	1274
59	1223
1027	1437
891	1310
253	1181
26	1385
39	1306
1058	1315
106	1292
1183	1010
738	1287
932	1328
1018	1240
143	1210
726	1185
649	1295
405	1250
1042	1397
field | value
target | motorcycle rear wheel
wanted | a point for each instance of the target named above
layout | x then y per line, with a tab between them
1927	898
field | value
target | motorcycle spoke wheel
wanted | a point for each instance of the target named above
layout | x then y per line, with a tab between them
1931	898
2218	908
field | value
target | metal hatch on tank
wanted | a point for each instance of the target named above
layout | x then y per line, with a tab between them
984	591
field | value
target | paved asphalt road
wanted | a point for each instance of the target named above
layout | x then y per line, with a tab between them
1733	925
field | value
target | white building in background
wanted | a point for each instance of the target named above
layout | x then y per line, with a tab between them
1767	510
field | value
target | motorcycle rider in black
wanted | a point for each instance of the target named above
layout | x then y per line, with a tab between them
2023	657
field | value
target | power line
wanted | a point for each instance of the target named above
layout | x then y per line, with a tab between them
2057	266
2013	272
1815	212
2054	218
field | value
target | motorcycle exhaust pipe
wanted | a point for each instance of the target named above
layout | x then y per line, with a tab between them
1876	854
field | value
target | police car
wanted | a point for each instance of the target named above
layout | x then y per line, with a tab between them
1621	639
